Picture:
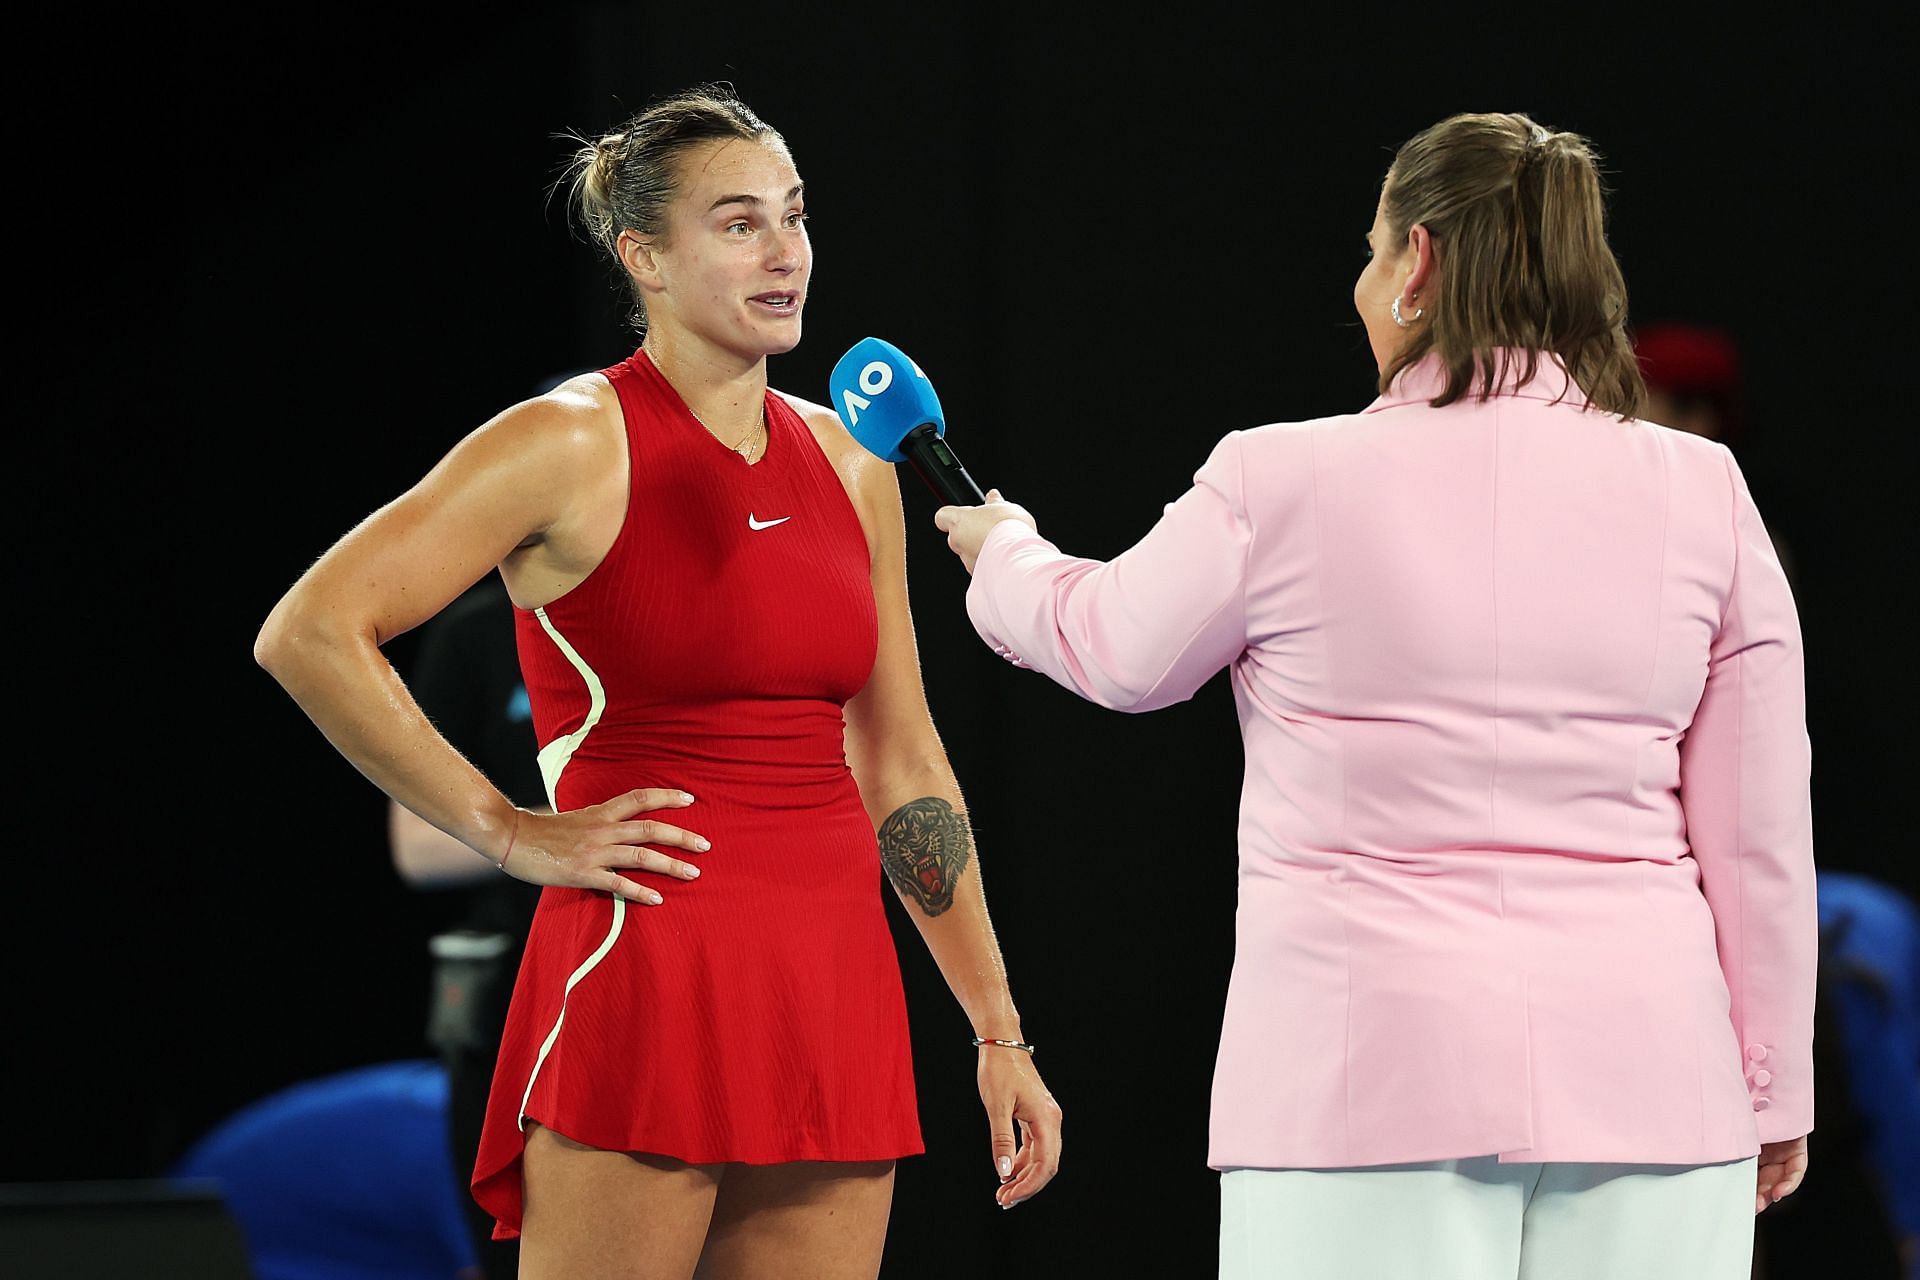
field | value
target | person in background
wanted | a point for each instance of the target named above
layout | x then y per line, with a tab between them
1693	380
466	678
1694	385
1865	1206
1870	951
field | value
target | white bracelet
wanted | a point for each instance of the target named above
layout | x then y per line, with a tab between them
1005	1044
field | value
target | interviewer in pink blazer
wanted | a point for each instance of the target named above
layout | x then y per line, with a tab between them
1524	975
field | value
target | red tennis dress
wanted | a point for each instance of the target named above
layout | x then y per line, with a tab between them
757	1015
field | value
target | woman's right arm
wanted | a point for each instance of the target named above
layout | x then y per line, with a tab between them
520	483
1137	633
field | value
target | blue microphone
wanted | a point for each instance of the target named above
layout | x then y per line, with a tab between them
890	408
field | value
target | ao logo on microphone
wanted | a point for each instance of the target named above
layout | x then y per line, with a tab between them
882	397
873	379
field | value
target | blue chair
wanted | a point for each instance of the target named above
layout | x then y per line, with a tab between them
347	1177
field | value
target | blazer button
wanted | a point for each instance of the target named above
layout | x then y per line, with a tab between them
1758	1052
1759	1104
1761	1079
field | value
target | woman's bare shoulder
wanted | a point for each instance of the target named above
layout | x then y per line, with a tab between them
577	426
585	406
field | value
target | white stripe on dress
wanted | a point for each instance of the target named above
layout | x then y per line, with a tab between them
554	756
619	915
553	761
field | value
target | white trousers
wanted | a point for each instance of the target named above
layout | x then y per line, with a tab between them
1479	1219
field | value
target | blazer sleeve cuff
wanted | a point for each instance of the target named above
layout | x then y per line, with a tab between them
1778	1088
1001	542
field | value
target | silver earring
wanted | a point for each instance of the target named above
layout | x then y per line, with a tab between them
1402	321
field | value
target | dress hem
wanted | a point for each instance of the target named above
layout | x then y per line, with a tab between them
488	1187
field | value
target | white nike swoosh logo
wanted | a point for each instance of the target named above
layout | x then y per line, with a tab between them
765	524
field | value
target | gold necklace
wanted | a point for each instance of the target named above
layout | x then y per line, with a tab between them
744	448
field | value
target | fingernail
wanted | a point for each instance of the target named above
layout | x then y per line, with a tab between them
693	872
704	843
1006	1167
686	797
654	898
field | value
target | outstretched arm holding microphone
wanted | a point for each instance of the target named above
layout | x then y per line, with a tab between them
1187	574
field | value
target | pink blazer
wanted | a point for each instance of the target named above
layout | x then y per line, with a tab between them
1525	850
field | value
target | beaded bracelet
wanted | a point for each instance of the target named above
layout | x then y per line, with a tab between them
1005	1044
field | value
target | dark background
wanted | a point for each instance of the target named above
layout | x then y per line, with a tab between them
295	255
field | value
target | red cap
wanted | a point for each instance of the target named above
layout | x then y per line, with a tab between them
1688	359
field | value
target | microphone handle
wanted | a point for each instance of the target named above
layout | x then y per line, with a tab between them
939	467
